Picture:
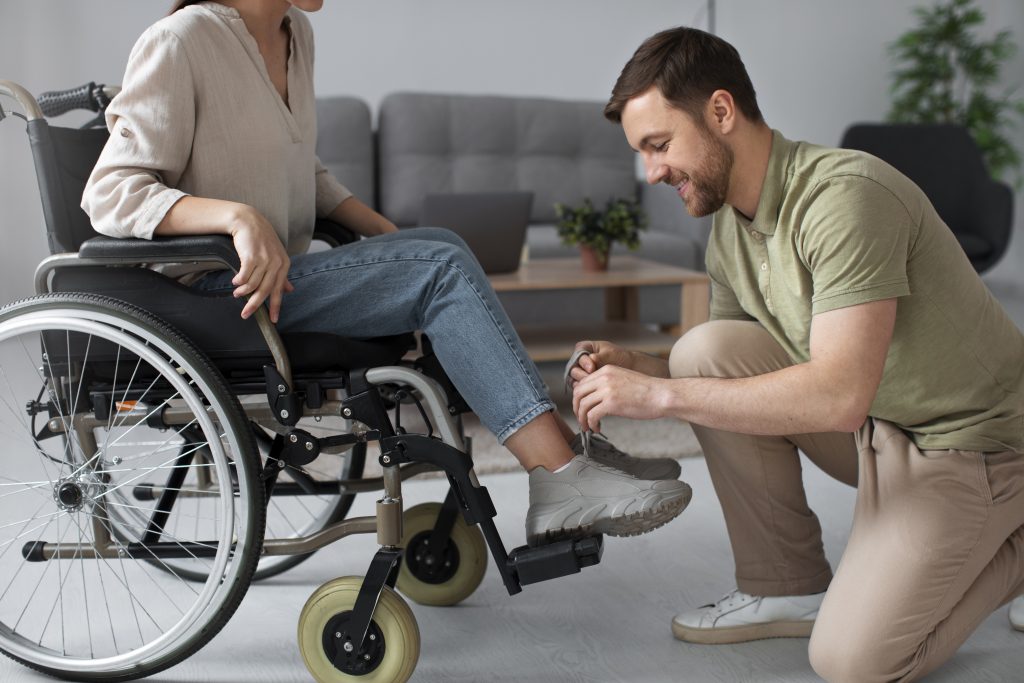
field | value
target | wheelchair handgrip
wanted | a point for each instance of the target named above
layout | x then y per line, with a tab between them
89	96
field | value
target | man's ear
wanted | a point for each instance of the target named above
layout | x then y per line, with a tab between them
721	112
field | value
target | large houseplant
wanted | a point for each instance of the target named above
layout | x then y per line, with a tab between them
946	74
595	230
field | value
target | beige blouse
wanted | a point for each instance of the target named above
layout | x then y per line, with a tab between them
198	114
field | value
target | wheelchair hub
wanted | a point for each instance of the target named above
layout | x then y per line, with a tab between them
73	493
338	646
430	566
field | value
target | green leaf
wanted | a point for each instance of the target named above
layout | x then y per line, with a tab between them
943	72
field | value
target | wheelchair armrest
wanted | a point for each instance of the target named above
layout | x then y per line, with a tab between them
333	233
128	251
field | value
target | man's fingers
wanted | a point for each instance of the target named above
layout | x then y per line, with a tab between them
591	411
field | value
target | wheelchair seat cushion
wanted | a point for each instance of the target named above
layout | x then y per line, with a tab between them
322	352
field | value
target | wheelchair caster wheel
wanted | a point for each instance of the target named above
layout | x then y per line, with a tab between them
393	641
446	578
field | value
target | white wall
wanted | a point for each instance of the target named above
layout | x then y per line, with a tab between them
817	65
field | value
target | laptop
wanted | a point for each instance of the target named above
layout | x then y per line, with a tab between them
493	224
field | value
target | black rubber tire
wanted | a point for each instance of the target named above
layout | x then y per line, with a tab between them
247	458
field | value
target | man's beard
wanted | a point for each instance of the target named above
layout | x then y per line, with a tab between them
708	188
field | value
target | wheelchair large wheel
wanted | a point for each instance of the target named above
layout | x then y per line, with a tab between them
97	396
394	637
289	515
293	516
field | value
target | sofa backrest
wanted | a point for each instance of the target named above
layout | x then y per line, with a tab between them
344	144
563	151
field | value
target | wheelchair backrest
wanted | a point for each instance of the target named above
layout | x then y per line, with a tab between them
64	158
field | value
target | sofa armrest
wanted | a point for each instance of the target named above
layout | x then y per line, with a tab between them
129	251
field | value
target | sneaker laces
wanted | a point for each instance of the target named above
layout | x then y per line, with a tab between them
727	602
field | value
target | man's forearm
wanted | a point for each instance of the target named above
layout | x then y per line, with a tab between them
795	400
647	364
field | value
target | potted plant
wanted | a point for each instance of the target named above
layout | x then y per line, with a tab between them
946	74
595	230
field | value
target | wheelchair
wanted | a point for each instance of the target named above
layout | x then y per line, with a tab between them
162	453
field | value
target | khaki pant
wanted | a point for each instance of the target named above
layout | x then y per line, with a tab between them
937	541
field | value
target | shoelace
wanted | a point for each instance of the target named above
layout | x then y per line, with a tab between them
567	378
727	602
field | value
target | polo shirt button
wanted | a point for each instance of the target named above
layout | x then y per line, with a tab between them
764	266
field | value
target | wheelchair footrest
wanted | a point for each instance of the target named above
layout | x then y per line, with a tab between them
552	560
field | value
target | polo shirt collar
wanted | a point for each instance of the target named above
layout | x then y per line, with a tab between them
767	215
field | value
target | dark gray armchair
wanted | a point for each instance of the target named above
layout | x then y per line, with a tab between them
946	163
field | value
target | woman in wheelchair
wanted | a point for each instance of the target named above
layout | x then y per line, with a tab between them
214	132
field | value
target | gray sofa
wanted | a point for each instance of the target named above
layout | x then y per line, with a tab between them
562	151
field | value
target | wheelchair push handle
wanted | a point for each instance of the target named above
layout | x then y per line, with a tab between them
22	97
90	96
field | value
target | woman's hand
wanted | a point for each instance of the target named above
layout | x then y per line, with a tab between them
263	275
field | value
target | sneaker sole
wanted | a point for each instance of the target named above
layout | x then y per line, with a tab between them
742	634
627	525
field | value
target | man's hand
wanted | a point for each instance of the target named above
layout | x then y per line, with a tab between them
263	275
613	390
600	354
603	353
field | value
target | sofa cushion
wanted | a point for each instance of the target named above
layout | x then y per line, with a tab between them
344	144
562	151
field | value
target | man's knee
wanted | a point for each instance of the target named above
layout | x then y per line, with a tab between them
726	348
839	656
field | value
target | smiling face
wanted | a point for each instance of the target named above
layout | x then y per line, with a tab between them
679	151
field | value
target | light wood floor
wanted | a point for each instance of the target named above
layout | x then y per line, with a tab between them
610	623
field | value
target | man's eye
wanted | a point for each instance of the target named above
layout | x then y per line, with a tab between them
662	147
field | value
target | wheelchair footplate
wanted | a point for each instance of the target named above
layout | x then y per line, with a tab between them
533	564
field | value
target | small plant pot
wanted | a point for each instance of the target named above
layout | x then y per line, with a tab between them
593	260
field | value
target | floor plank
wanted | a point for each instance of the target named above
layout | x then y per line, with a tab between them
607	624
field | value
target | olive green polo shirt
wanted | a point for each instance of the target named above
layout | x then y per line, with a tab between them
837	228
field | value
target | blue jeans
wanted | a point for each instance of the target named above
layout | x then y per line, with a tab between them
421	279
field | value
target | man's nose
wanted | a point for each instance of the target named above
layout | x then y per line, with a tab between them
655	172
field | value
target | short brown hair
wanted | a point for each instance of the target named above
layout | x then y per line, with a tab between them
686	65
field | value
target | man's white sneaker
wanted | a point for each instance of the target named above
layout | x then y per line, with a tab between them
1017	613
739	617
603	451
589	498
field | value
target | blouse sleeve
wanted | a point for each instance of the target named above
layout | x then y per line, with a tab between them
151	124
329	192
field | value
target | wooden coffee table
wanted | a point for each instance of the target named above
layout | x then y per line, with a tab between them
621	282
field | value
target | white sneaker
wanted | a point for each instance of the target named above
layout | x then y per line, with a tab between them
589	498
1017	613
739	617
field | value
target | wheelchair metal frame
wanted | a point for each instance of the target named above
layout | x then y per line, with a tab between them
402	455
